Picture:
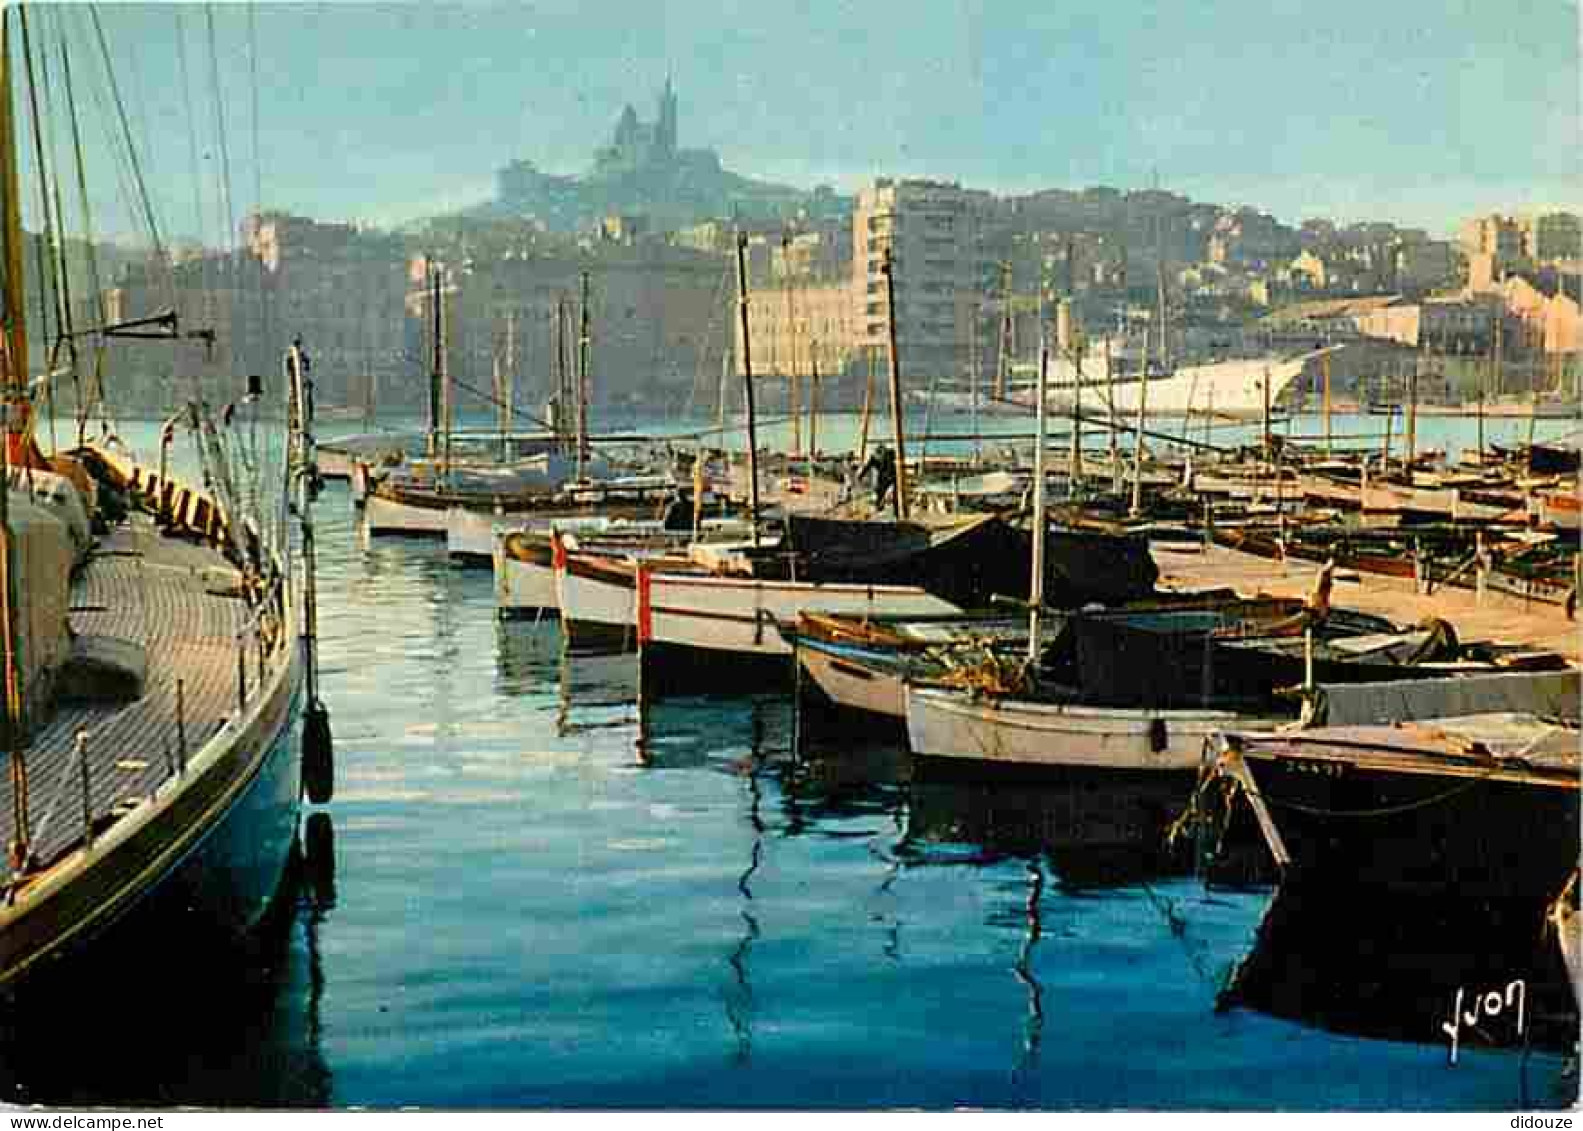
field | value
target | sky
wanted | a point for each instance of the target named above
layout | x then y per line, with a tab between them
1417	111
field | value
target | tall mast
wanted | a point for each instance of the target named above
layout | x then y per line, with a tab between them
1065	343
888	269
582	386
1412	420
868	405
747	385
563	388
448	395
504	368
433	445
1036	581
975	363
14	405
1005	331
1499	377
1165	352
813	405
1136	507
1324	368
792	407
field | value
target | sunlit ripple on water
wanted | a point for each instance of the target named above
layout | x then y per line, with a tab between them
534	908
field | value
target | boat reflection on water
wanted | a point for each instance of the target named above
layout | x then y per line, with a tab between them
1096	829
1420	970
234	1031
527	656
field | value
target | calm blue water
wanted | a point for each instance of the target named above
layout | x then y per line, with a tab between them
532	908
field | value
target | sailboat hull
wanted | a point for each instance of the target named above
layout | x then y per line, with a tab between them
202	860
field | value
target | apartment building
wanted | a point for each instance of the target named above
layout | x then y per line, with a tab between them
935	234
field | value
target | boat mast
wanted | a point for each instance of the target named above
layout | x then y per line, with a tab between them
433	444
1065	344
1136	507
509	409
975	363
13	450
447	393
583	388
1036	581
888	269
370	390
1324	368
563	390
1412	420
813	406
1005	331
868	405
747	385
720	409
793	409
502	386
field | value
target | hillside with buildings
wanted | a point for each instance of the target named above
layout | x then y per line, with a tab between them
644	174
654	227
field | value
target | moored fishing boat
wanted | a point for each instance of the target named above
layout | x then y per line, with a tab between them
703	632
1473	807
859	666
530	565
949	725
704	624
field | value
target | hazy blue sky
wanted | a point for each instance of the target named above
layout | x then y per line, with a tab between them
1416	110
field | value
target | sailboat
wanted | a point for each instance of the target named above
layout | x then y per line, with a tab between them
162	719
465	500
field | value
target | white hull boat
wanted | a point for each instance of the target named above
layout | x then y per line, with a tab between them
951	724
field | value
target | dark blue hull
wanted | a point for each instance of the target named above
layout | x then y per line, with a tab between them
226	884
209	900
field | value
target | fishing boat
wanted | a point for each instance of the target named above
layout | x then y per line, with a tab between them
1561	508
639	500
1456	973
858	667
162	715
707	625
703	632
516	477
1471	807
1143	690
531	566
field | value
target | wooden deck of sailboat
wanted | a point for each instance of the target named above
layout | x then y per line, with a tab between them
1498	617
168	596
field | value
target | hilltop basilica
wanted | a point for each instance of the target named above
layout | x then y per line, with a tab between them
637	146
641	171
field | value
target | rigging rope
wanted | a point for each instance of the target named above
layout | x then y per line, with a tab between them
266	312
47	283
126	129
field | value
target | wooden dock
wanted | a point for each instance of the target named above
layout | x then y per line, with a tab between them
1496	617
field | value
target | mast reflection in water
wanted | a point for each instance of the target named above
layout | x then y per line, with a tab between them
544	901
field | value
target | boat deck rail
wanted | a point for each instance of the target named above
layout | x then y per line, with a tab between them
208	650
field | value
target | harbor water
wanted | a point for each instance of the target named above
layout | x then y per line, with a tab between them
537	903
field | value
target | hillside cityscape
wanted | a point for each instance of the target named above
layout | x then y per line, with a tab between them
654	225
